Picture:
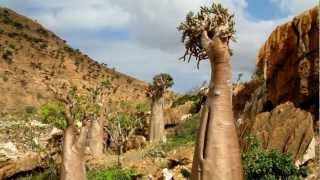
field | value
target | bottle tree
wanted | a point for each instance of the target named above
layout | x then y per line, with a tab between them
206	35
156	92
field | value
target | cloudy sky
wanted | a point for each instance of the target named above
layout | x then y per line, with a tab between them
139	37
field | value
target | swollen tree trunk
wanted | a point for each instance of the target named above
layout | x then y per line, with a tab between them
73	165
156	128
96	139
217	152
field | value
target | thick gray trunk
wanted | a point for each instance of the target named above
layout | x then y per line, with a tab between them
73	165
96	138
156	129
217	152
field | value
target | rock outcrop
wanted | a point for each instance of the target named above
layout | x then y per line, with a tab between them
286	128
289	62
282	109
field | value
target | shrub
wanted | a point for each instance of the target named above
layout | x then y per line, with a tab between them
18	25
267	164
106	83
143	107
196	100
8	56
184	134
30	109
53	113
111	174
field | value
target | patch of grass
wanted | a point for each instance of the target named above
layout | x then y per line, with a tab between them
113	173
142	107
185	134
53	113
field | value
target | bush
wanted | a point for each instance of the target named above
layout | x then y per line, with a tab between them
30	109
106	83
112	174
53	113
185	133
196	100
143	107
263	164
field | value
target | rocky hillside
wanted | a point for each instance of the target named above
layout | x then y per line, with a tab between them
31	55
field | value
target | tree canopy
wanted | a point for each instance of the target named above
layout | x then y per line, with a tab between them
215	20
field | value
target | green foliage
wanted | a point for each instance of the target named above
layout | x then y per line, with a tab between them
263	164
185	134
160	83
194	98
215	20
113	173
185	98
163	79
53	113
123	124
106	83
142	107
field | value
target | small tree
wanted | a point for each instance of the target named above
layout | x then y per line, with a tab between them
156	91
73	167
121	127
86	108
206	35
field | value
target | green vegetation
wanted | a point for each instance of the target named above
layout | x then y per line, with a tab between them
106	83
53	113
142	107
267	165
185	134
112	174
194	98
121	126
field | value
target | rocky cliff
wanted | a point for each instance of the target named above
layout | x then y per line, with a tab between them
289	62
282	108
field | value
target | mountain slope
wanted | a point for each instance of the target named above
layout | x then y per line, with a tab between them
30	54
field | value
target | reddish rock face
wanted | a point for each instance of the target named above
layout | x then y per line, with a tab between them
289	61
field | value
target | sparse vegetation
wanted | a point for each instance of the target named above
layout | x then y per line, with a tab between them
8	56
53	113
184	135
113	173
121	126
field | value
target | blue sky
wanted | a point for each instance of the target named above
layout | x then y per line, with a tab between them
140	37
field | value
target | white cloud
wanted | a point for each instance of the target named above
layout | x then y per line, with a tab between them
154	45
295	6
68	15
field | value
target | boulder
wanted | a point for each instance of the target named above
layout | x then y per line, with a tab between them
286	128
